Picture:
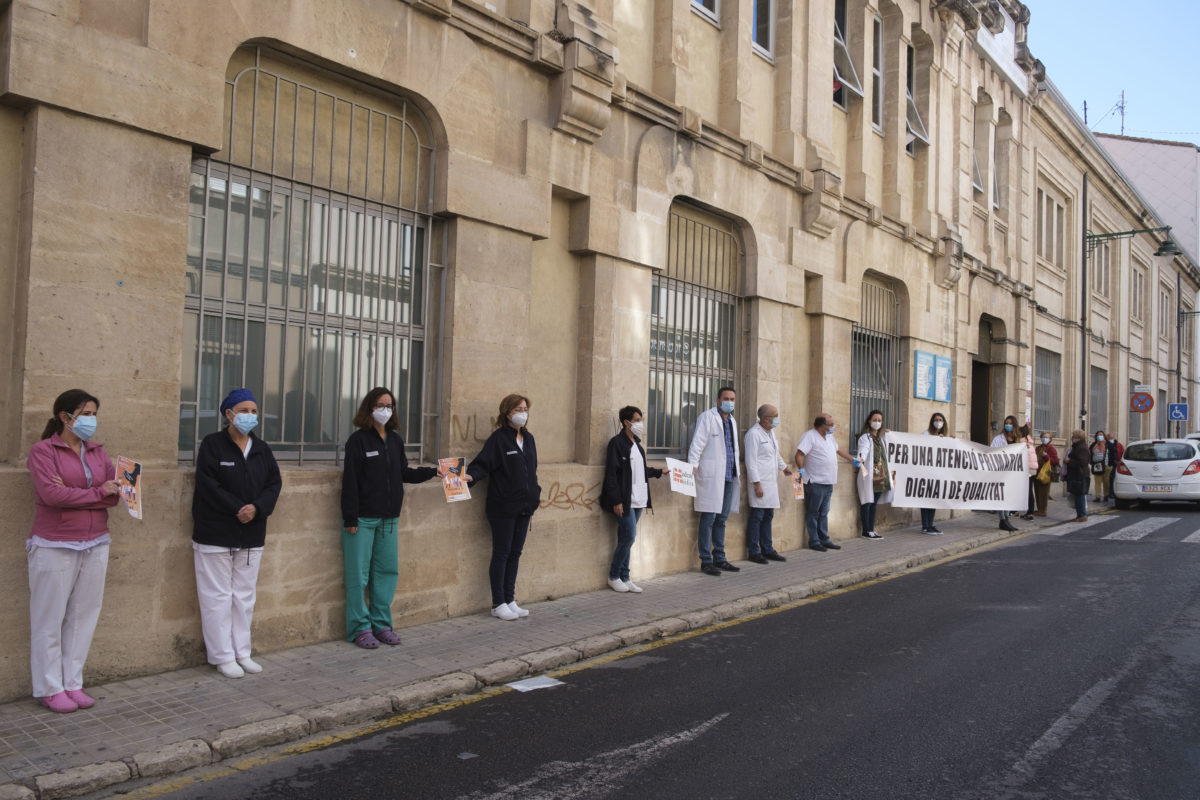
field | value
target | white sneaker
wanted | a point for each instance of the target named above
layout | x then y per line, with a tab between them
230	669
249	665
633	587
617	585
502	611
516	609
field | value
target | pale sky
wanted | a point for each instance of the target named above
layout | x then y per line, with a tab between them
1094	49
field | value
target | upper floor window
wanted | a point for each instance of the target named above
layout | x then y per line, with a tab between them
1101	268
1166	311
979	148
1137	293
915	126
708	8
1187	331
764	26
1001	144
1051	227
309	247
877	74
845	76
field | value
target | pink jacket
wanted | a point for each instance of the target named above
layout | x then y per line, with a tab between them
70	512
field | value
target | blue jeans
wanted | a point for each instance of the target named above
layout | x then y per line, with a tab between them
758	531
712	528
508	540
817	497
626	531
868	514
1080	504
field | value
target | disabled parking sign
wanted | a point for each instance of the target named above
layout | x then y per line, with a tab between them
1177	412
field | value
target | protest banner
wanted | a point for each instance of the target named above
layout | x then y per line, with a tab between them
129	473
683	477
940	472
454	484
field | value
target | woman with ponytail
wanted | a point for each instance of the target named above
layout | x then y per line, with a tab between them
74	485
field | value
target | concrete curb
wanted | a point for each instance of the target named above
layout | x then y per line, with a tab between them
232	742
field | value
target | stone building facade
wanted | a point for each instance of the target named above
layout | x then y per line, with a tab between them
592	202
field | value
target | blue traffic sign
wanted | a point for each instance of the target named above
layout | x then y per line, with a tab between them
1177	412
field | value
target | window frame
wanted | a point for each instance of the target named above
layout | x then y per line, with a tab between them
766	50
842	48
877	79
709	9
915	130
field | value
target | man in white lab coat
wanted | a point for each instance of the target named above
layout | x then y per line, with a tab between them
714	454
763	462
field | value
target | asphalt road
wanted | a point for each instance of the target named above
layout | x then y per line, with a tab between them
1049	667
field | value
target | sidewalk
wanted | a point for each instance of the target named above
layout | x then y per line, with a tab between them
163	724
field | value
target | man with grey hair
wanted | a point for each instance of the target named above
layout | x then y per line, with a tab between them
762	463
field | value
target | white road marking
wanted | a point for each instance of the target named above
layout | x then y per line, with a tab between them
1140	529
1192	538
597	776
1064	528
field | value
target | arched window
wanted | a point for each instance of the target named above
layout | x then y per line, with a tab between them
875	356
695	325
309	238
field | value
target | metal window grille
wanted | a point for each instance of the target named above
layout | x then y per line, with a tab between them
308	261
1047	390
696	327
875	355
1098	399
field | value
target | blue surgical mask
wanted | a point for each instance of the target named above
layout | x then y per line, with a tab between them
83	427
830	431
727	406
1008	428
775	422
245	422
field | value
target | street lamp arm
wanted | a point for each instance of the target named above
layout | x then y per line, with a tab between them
1093	239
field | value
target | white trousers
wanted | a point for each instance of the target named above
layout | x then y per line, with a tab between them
226	584
66	588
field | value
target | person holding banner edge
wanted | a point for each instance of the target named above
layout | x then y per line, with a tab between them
818	449
1047	458
874	479
626	492
937	427
762	462
1006	437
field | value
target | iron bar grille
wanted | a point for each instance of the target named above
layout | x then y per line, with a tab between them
1047	391
308	259
696	325
1098	400
875	355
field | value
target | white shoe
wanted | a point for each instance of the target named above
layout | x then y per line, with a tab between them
250	665
633	587
617	585
230	669
516	609
502	611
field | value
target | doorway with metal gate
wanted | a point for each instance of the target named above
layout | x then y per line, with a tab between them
987	380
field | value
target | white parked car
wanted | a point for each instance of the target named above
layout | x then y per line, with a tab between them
1158	469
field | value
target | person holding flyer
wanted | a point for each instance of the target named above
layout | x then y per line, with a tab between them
874	478
509	458
237	486
714	455
74	485
762	462
626	492
373	477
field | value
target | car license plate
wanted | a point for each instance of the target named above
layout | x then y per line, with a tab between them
1157	487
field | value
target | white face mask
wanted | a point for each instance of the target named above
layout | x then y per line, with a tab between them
638	428
876	424
1099	438
937	424
520	418
381	415
1045	440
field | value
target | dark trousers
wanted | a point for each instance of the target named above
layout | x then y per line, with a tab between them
927	518
508	540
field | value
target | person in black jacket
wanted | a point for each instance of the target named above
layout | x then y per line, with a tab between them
626	492
376	470
509	459
1079	463
237	485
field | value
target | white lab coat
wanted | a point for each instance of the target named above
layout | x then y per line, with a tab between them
763	464
866	484
707	454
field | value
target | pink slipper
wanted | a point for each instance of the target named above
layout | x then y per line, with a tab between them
59	703
387	636
366	640
82	700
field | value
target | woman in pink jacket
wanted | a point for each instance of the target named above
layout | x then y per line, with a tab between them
74	484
